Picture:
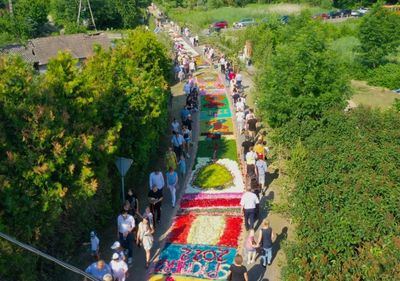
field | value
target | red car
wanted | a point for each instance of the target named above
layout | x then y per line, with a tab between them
219	24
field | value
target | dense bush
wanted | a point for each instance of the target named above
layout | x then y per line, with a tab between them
60	134
346	198
387	75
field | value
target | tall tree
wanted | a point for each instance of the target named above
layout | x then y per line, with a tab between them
303	78
378	35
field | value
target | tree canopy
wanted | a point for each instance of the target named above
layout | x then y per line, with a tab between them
302	77
60	134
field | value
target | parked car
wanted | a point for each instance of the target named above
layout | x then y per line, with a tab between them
334	14
244	23
397	91
323	16
363	10
345	13
219	25
355	14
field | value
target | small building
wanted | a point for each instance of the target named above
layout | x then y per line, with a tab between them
39	51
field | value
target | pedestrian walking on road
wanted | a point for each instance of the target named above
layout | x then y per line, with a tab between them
182	166
261	170
266	240
251	157
98	269
119	268
237	271
249	203
172	183
145	237
177	141
171	159
156	179
155	198
149	216
251	247
118	249
95	245
126	226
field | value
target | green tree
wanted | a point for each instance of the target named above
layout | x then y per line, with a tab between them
303	78
378	36
32	14
60	134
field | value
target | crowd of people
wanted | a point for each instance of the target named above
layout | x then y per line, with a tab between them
137	228
134	227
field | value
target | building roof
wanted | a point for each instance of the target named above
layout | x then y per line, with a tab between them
41	50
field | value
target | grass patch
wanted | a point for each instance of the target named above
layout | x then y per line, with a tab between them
213	176
226	149
371	96
345	46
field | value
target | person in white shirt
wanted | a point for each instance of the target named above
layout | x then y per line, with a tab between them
156	179
175	125
249	203
251	157
240	105
240	120
119	268
261	170
126	225
192	67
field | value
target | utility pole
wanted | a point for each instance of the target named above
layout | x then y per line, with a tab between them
79	12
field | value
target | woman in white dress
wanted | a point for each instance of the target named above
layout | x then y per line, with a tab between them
145	237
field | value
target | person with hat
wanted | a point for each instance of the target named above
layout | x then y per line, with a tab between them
126	225
98	269
118	249
107	277
119	268
94	245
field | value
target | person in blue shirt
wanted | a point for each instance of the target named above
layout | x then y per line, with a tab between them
187	88
172	183
184	113
98	269
182	166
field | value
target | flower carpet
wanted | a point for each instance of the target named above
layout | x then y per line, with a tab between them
203	239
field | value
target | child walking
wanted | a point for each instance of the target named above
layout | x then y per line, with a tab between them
251	246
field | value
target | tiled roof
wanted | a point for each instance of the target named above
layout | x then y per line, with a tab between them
41	50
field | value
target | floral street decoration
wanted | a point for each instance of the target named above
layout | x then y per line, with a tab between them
214	176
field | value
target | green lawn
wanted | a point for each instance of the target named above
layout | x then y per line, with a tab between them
199	19
372	96
345	46
226	149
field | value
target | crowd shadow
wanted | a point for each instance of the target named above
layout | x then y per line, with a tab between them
278	242
257	272
270	177
264	208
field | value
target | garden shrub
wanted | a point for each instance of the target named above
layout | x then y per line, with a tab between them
387	75
345	201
